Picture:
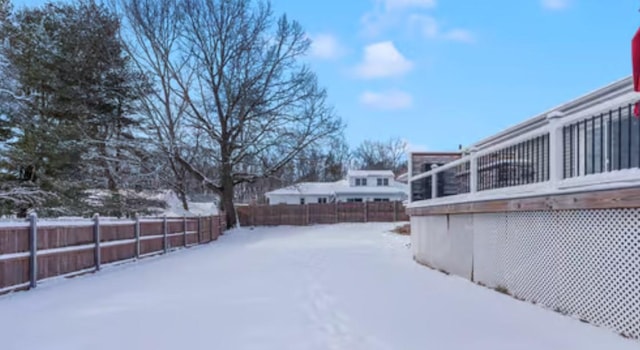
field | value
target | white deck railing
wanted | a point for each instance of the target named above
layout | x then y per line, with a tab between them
579	148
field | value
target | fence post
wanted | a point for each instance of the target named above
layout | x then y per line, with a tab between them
337	216
97	255
395	211
137	233
211	228
366	213
165	229
473	171
199	228
184	230
307	221
434	183
409	173
33	250
556	149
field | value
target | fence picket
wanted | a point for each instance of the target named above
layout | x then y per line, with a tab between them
33	250
96	237
66	250
329	213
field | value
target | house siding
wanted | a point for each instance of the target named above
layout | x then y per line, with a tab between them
295	199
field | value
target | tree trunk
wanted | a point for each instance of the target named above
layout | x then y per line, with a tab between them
228	191
228	206
183	197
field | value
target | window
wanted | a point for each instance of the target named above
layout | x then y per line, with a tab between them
383	182
381	199
301	200
354	200
322	200
361	182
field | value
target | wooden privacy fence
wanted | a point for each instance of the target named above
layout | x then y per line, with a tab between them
34	251
330	213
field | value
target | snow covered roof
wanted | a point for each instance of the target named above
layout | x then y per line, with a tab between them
338	187
311	188
370	173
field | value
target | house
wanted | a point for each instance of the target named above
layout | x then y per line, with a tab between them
359	186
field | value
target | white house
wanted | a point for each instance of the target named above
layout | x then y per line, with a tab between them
359	186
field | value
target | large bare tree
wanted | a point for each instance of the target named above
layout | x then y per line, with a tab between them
234	71
382	155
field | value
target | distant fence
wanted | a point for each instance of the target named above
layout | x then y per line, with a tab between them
330	213
33	251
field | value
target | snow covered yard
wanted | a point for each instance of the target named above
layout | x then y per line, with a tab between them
348	286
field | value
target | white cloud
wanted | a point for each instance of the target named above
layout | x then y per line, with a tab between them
326	46
375	23
387	100
556	4
383	60
391	5
389	13
460	35
430	28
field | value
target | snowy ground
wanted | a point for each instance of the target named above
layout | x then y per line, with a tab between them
350	286
174	206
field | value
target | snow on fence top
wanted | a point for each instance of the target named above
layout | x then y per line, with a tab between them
79	221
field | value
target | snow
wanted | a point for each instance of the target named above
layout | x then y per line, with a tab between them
13	224
173	203
338	187
311	188
370	173
175	208
348	286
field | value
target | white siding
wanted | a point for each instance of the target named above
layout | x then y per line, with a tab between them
372	181
370	197
294	199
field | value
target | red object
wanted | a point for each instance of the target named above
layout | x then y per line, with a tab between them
635	57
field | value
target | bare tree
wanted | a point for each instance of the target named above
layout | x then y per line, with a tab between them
237	70
153	41
381	155
325	161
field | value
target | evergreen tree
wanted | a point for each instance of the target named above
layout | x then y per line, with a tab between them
76	128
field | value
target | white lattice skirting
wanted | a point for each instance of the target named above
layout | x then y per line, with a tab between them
582	262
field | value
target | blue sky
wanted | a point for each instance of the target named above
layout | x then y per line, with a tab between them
439	73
